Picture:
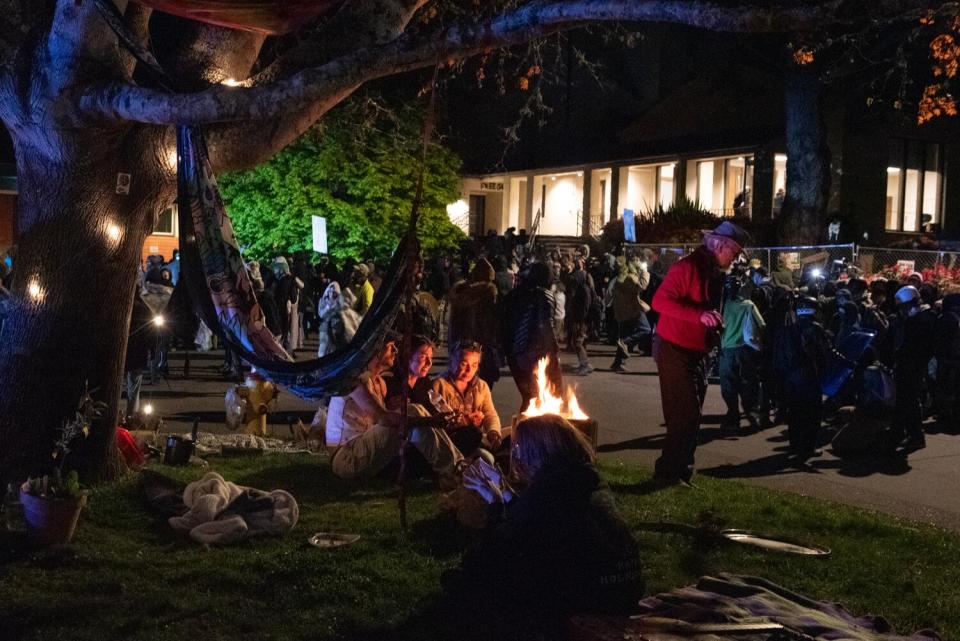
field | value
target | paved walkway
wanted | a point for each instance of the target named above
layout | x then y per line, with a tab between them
923	487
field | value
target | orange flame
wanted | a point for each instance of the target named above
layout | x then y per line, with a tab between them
547	402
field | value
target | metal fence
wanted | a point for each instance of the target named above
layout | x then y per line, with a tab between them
870	261
796	258
892	262
800	257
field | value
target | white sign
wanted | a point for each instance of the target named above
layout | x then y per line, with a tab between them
905	266
629	226
319	234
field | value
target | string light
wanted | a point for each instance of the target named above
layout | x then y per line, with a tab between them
35	290
158	320
114	232
230	82
148	409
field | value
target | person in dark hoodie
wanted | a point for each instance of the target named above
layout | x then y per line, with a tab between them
947	341
527	332
557	547
911	340
800	358
473	318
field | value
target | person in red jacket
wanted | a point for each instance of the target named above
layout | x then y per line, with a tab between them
690	325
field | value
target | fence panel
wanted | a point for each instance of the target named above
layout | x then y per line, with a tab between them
797	258
898	263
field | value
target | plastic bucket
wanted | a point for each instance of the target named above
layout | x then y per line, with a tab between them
51	521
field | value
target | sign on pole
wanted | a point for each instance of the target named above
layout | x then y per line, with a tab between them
629	228
319	234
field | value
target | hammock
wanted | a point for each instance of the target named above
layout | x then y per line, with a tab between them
223	295
270	17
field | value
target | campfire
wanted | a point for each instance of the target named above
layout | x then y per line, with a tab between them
547	402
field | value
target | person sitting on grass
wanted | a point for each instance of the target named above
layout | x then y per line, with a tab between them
461	391
416	375
557	548
363	437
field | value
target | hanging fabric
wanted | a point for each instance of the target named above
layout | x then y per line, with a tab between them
213	268
269	17
224	298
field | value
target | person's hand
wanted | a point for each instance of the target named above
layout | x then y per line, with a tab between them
711	318
494	440
485	480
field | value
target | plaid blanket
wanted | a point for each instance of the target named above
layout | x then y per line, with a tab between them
743	599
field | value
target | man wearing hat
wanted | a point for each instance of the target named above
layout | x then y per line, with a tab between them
690	325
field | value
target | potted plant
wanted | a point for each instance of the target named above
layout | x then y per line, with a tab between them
52	502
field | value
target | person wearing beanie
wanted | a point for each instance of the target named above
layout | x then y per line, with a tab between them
473	318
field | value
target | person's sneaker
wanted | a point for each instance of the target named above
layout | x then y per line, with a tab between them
618	368
914	443
583	370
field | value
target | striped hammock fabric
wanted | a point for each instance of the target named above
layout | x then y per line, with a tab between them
262	16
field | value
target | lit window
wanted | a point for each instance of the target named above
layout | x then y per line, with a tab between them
914	198
722	186
166	224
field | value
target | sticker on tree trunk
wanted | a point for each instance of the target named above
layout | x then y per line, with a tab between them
123	184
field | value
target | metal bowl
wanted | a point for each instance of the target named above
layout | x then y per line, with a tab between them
332	539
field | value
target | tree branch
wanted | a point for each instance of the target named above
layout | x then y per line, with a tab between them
298	91
81	45
244	144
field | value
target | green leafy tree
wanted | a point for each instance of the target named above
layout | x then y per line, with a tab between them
359	170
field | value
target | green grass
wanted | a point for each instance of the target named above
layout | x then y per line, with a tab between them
129	576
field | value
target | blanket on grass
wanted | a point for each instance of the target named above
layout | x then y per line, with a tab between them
221	512
743	599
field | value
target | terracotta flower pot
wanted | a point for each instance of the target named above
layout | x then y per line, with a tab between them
50	521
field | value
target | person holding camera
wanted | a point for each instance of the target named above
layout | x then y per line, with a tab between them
690	325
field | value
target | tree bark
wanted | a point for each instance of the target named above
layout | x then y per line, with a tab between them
808	161
74	285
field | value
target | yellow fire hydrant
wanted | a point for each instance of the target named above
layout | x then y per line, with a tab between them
258	394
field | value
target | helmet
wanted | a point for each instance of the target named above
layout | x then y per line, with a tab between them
907	294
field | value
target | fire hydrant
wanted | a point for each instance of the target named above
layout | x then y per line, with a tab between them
258	393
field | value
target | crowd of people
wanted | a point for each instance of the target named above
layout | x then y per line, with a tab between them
795	353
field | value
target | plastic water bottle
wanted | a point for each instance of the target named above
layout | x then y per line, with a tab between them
12	509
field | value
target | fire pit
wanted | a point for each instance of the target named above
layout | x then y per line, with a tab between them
548	402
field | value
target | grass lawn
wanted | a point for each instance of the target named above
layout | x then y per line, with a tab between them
129	576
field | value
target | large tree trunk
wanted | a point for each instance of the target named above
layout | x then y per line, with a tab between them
74	286
808	161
